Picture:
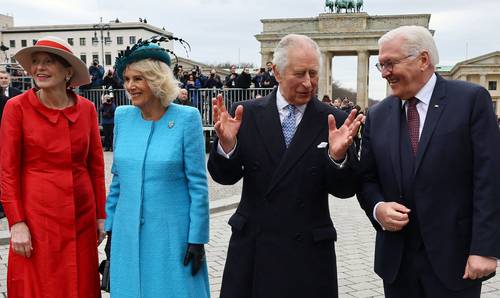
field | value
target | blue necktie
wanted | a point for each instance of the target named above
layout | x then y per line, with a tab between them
288	124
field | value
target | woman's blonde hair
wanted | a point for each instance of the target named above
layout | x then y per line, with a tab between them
159	77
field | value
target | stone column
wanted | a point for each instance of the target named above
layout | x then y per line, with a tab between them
362	84
325	80
266	56
482	80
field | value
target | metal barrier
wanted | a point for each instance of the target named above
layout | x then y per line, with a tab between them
201	99
22	83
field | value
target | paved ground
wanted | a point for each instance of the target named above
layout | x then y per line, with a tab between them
354	246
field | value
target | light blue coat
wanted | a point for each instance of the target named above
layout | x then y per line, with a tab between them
157	204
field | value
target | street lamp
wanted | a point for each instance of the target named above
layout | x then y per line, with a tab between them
101	27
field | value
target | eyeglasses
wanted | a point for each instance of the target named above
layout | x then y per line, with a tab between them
389	65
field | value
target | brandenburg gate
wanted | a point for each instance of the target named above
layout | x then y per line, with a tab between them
338	34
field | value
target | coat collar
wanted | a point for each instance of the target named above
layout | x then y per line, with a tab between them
434	112
268	125
71	113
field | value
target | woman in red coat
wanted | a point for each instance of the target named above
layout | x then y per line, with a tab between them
52	182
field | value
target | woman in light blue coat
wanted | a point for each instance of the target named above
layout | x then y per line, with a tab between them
157	207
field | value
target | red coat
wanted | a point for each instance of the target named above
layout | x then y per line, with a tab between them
52	172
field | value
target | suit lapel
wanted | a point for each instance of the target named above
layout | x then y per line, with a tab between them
307	131
268	124
434	112
394	128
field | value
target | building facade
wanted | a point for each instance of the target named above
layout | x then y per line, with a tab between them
483	70
101	41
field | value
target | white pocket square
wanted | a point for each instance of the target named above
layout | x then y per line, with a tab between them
322	145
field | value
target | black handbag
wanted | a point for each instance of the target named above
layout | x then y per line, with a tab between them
104	266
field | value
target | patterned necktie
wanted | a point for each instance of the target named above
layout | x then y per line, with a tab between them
288	124
413	124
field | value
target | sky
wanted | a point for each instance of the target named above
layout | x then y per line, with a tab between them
223	30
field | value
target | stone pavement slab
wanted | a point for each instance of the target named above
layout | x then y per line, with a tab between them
354	247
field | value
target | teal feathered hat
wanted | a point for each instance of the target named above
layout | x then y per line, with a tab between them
149	48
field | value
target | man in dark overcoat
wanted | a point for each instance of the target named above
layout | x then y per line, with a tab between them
292	152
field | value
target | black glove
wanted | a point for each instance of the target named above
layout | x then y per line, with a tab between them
107	248
105	264
196	253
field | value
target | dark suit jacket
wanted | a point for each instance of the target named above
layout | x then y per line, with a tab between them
282	243
3	100
455	181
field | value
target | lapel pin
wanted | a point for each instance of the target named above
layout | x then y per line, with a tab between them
171	124
436	106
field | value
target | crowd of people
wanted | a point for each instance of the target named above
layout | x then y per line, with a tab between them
424	172
195	79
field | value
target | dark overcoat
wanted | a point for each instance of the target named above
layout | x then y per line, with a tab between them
282	242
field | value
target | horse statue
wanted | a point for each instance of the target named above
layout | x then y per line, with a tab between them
359	5
330	4
346	5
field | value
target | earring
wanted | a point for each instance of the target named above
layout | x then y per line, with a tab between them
67	78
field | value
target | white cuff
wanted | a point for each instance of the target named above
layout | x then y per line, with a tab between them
339	165
220	151
375	215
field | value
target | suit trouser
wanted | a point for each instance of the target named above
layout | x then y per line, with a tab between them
417	279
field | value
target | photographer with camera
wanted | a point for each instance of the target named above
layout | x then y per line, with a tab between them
107	111
213	81
97	73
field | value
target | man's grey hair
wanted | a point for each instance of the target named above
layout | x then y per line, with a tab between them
280	58
4	72
417	39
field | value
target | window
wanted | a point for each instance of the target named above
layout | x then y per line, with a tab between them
107	58
34	41
24	43
95	57
70	41
132	39
12	60
119	40
12	43
82	41
492	85
95	41
107	40
83	57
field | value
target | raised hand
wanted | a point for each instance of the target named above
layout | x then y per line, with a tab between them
226	127
339	139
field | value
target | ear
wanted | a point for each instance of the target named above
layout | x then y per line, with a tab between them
277	73
70	72
425	60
